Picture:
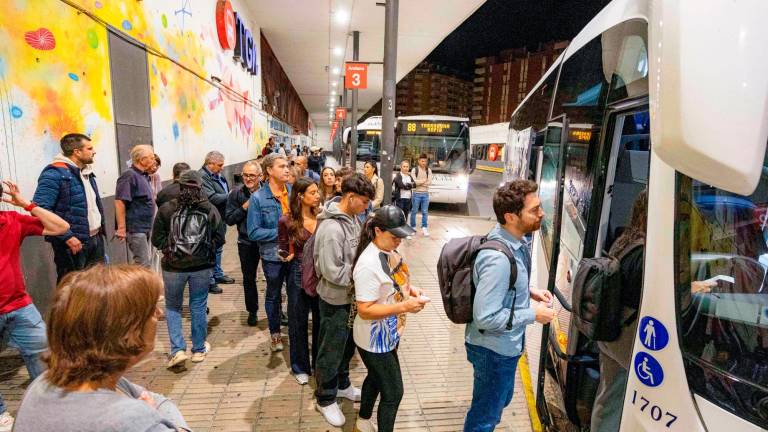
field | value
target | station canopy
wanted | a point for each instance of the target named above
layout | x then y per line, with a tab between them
312	39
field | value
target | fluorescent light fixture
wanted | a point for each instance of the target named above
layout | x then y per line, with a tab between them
333	92
334	83
338	51
341	16
336	71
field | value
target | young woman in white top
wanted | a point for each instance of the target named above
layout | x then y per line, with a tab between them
372	173
383	296
403	183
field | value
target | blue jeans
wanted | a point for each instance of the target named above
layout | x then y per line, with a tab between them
275	272
198	301
217	271
492	389
25	330
420	201
299	307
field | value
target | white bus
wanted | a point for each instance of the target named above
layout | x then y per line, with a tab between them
368	140
445	141
669	98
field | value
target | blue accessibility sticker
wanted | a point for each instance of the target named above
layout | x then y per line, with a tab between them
648	369
653	334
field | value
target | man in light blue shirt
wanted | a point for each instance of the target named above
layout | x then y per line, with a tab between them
493	347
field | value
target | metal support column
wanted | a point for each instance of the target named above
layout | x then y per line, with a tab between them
388	97
353	121
343	123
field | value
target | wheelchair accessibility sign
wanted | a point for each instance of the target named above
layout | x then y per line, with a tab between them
648	369
653	334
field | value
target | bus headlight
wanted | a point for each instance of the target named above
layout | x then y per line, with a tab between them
462	181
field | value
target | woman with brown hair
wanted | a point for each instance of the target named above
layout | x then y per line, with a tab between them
327	184
102	322
293	231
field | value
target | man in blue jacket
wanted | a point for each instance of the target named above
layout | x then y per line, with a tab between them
67	187
216	189
493	345
265	208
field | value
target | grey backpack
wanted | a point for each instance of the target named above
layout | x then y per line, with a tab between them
454	273
597	296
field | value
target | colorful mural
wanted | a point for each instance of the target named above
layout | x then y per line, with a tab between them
55	79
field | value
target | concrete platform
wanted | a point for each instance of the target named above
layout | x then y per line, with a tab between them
242	386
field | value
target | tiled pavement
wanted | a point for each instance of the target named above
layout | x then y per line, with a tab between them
243	387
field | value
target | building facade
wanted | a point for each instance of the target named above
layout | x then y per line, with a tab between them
502	82
432	89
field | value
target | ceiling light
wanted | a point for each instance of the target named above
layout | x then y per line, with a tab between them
338	51
341	16
334	83
333	92
336	71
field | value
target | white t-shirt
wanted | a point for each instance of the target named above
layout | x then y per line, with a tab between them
405	193
372	283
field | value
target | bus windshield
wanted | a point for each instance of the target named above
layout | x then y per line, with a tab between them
368	145
447	154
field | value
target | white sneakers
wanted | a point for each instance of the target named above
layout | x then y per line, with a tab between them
363	425
352	393
177	359
332	414
276	342
425	232
301	378
181	356
200	356
6	422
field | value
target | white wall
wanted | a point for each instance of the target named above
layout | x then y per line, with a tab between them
324	138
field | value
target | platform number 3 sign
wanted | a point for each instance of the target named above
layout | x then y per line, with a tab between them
356	76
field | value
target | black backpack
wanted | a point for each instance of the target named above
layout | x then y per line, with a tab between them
454	273
189	239
597	296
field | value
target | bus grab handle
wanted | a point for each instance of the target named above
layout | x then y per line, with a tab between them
561	298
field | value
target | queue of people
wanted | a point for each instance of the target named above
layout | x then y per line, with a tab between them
362	296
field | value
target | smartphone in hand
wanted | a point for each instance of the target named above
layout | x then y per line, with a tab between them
282	253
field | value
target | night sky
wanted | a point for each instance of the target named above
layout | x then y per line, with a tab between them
501	24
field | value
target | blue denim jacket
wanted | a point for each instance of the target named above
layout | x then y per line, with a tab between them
493	299
264	212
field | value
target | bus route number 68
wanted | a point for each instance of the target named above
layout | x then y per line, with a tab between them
657	413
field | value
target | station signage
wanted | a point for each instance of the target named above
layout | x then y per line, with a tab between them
235	35
341	113
356	76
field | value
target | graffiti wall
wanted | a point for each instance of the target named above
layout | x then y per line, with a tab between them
55	79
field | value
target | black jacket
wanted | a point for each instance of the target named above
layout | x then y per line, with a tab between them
168	193
399	185
160	233
316	163
237	215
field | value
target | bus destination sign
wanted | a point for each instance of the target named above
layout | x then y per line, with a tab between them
430	128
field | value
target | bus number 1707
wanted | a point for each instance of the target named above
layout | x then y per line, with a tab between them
655	411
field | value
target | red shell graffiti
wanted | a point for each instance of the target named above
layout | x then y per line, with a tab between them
41	39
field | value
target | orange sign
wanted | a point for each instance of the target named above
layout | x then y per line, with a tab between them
341	113
493	152
334	128
356	76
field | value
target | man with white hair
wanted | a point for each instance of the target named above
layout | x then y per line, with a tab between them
135	204
216	189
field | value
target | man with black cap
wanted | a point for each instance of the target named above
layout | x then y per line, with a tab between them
188	230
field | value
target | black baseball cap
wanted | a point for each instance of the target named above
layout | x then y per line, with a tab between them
393	220
191	178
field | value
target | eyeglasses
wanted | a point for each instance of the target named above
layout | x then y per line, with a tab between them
251	176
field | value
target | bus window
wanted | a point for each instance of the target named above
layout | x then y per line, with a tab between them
722	294
548	184
368	145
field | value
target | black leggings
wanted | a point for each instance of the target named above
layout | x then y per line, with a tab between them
383	378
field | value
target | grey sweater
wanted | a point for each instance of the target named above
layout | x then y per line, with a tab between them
46	407
334	253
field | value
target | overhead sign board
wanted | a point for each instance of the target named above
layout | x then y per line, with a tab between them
356	76
341	113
